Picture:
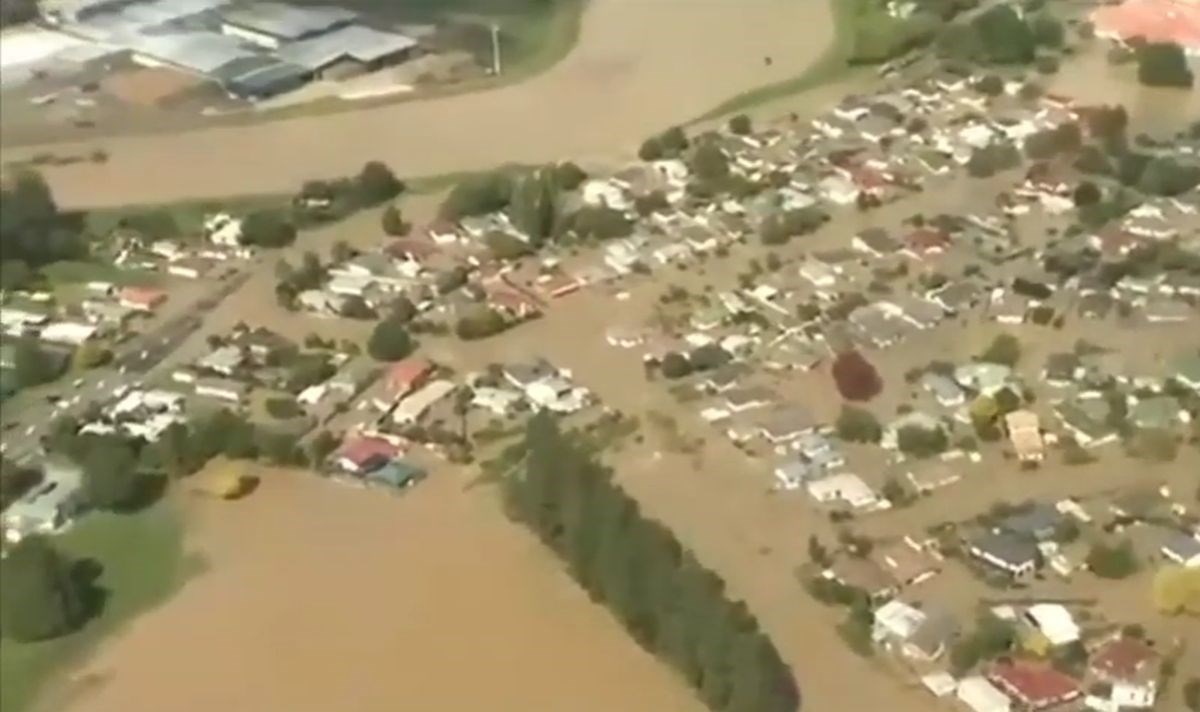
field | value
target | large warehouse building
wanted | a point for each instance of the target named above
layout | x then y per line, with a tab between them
254	50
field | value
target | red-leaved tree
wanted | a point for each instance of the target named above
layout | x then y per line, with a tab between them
856	378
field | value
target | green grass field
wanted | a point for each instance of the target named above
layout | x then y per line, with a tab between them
144	563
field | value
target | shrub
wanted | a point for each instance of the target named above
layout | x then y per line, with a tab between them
569	176
376	183
1112	561
480	325
1005	350
392	222
675	365
1046	64
1163	64
855	377
651	150
268	228
389	340
990	85
507	247
39	597
600	222
1048	31
858	425
709	162
741	125
477	195
1003	38
283	408
917	441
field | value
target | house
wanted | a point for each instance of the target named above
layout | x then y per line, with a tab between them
557	394
1085	421
1010	308
1183	549
895	623
982	696
1167	311
1025	433
983	377
521	375
405	376
955	297
862	574
838	190
1039	522
500	401
821	275
223	389
360	454
189	267
944	389
1157	412
1131	667
906	563
1036	686
932	638
50	505
794	474
1013	554
918	312
786	423
413	406
725	377
933	475
1054	622
1062	369
875	242
397	474
915	419
925	242
843	487
224	360
145	299
68	332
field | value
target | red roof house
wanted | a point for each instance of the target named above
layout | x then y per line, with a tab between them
141	298
360	453
1037	686
926	241
403	377
1124	660
1176	21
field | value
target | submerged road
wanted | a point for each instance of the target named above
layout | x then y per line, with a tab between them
639	66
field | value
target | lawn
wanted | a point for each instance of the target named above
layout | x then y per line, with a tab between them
143	564
832	64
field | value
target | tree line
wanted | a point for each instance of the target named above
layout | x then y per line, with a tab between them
668	601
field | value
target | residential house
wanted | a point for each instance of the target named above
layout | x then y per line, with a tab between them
1010	308
943	388
1054	622
838	190
1015	555
1130	667
895	623
412	407
1034	685
1167	311
405	376
725	377
190	267
875	242
926	242
397	474
843	487
955	297
500	402
521	375
1183	549
224	360
50	505
1025	434
794	474
913	310
1062	369
1084	419
821	275
223	389
144	299
360	454
557	394
933	475
932	638
914	419
68	332
739	400
862	574
1157	412
1187	371
906	563
1038	522
984	377
785	424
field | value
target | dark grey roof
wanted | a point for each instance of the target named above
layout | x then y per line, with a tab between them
1010	548
362	44
1182	545
1039	522
268	80
286	21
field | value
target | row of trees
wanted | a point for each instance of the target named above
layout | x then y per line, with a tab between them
670	603
1001	36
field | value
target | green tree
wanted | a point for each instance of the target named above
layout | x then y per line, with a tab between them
817	553
569	176
990	85
917	441
709	163
1005	350
1003	37
504	246
532	207
741	125
858	425
477	195
651	150
39	598
268	228
376	183
1164	175
674	141
600	222
675	365
1163	64
15	274
1116	561
31	365
480	324
392	221
1191	694
111	479
389	340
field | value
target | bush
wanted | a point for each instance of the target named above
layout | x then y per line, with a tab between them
1003	38
857	425
477	195
569	176
1163	64
987	161
652	202
673	141
1046	64
389	340
1005	350
1086	193
376	183
39	597
855	377
651	150
268	228
709	163
1165	176
708	357
990	85
675	365
1153	444
916	441
392	222
283	408
600	222
504	246
740	125
1112	561
110	479
451	279
480	325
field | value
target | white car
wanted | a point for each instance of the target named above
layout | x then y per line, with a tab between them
29	430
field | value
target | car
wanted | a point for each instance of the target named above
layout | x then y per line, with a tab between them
29	430
77	383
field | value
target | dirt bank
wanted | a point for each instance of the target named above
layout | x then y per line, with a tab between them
638	67
322	597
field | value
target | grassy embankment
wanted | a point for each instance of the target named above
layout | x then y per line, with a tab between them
143	565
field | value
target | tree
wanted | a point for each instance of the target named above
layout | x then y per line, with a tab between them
675	365
389	340
990	85
477	195
992	159
402	309
1163	64
817	553
39	598
267	228
1003	37
451	279
14	275
673	141
651	150
15	481
709	163
917	441
1107	123
1152	444
480	324
1177	590
504	246
740	125
1164	175
342	251
1112	561
321	447
569	176
1085	194
532	207
858	425
392	221
283	408
376	183
31	366
111	480
708	357
600	222
855	377
1005	350
90	355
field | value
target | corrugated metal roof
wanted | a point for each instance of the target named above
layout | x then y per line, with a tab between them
361	43
285	21
201	52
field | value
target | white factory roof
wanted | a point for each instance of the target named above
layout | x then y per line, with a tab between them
201	52
286	21
355	41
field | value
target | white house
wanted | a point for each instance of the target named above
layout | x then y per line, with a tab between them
843	487
982	696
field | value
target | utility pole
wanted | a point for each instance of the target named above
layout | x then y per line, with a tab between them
495	49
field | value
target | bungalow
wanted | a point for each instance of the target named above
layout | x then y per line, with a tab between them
557	394
1010	308
321	301
875	242
1085	421
1025	433
1183	549
906	563
925	242
1054	622
821	275
513	304
1062	369
360	454
794	474
223	389
500	401
1131	668
50	505
1036	686
843	487
838	190
921	313
605	192
1013	554
522	375
413	406
224	360
895	622
145	299
168	250
68	332
724	378
944	389
932	638
864	575
914	419
1167	311
106	314
983	377
405	376
955	297
933	475
785	424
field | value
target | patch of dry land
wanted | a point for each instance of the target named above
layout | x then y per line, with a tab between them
638	67
319	596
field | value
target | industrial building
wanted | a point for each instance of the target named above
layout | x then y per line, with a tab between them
253	50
